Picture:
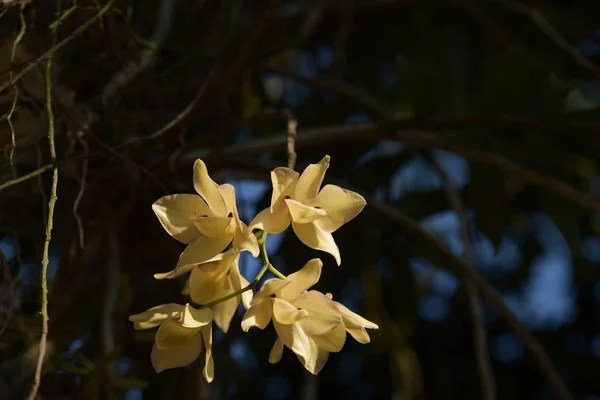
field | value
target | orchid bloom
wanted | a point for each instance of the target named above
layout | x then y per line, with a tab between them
314	214
307	322
353	323
206	222
215	279
178	340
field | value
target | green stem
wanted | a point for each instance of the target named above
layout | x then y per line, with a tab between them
275	272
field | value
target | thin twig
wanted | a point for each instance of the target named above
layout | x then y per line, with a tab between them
468	273
83	179
291	142
552	33
45	259
16	91
24	178
484	367
387	130
54	49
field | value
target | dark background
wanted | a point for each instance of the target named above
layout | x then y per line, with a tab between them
415	102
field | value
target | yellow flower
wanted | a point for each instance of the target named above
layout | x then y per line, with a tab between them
309	323
353	323
215	279
206	223
314	214
178	340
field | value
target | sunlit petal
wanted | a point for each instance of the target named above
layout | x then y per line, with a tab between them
228	193
258	315
215	227
156	315
202	250
271	222
303	214
332	341
224	312
208	282
316	364
341	205
194	318
176	356
310	181
299	342
209	364
244	240
208	189
172	334
295	284
349	314
323	317
316	238
285	313
177	213
284	183
238	281
276	352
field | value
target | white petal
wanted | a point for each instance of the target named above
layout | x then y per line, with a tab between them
323	315
176	356
156	315
193	318
271	222
295	284
209	364
300	343
315	365
172	334
341	205
178	271
303	214
244	240
284	183
202	250
215	227
177	213
347	313
276	352
332	341
208	189
224	312
238	281
209	281
310	181
285	313
316	238
258	315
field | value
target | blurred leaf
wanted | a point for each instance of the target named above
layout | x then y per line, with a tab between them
129	383
584	97
486	195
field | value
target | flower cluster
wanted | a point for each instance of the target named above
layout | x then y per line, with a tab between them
308	322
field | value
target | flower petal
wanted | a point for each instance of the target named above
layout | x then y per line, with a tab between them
316	238
269	287
323	315
193	318
238	281
258	315
310	181
172	334
202	250
228	193
317	363
300	343
348	314
208	189
341	205
209	364
303	214
332	341
273	223
177	213
156	315
215	227
176	356
224	312
295	284
178	271
210	281
284	182
244	240
285	313
276	352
